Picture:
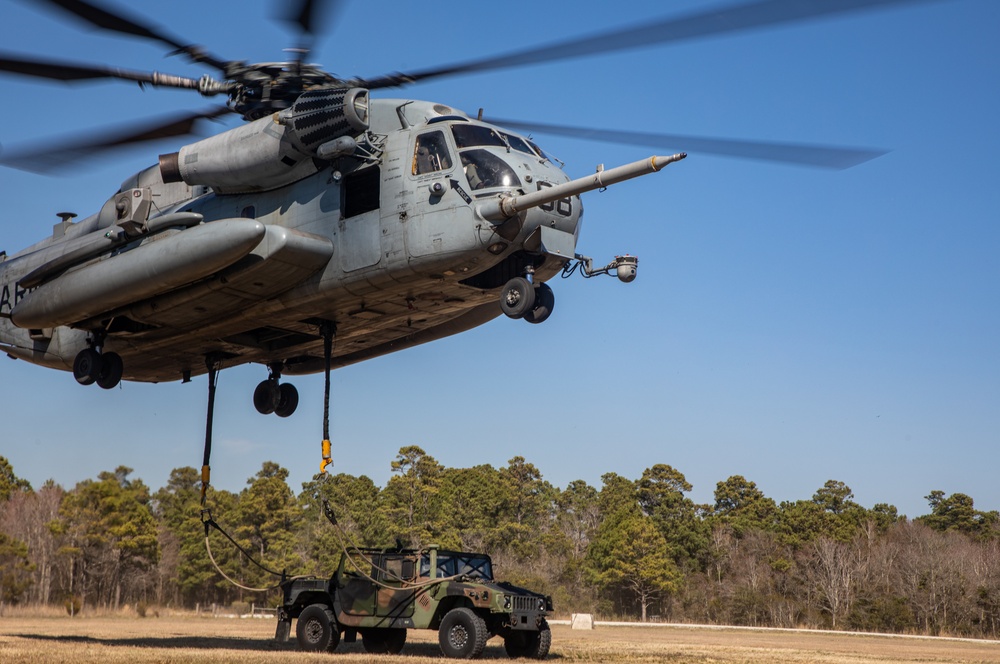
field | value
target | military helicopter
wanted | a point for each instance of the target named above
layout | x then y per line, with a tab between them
333	226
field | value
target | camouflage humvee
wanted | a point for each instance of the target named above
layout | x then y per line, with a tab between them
449	591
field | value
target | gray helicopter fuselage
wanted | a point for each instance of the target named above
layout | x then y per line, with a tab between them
386	243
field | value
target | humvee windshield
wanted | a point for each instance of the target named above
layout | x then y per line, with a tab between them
452	564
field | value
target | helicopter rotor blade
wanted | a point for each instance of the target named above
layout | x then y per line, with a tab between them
309	18
68	72
56	156
799	154
118	22
700	24
310	15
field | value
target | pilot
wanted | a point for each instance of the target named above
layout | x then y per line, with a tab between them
471	172
425	163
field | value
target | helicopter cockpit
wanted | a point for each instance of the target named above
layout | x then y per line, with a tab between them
483	167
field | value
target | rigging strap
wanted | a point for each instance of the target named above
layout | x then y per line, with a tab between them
327	329
213	380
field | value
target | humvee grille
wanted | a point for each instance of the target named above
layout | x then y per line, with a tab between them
525	603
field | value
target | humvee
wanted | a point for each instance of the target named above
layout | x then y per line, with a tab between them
448	591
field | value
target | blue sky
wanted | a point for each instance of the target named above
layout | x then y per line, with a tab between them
787	324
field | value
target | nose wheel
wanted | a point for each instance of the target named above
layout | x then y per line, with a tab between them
91	366
522	299
273	397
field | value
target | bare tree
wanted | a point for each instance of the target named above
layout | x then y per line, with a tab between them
31	518
837	567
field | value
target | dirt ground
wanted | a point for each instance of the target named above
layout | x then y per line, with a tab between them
250	641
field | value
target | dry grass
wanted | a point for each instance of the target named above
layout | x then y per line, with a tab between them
180	638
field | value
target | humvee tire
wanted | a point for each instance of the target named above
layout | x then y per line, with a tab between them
462	634
316	629
529	644
388	641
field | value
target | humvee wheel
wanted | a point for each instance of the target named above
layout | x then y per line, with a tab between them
462	634
529	644
316	629
384	641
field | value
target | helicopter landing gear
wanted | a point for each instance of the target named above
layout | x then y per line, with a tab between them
517	297
522	299
91	366
545	300
273	397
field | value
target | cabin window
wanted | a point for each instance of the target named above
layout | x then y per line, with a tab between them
361	191
431	153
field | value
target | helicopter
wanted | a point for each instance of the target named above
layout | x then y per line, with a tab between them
333	226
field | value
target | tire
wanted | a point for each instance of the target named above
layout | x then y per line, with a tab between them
316	629
288	400
529	644
462	634
395	639
389	641
545	301
517	297
110	372
265	397
87	366
541	651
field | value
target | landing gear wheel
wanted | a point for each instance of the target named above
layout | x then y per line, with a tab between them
288	400
462	634
545	300
388	641
517	297
316	629
110	371
87	366
529	644
266	396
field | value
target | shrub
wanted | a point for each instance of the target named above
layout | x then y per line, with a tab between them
73	604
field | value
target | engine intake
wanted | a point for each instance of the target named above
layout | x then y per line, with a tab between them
274	151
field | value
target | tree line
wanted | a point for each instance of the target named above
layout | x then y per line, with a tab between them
632	548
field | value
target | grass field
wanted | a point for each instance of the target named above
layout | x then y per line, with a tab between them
114	640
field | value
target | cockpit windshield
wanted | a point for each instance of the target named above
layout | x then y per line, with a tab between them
484	169
470	135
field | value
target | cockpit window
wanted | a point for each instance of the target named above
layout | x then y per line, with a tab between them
541	152
431	153
519	144
484	170
469	135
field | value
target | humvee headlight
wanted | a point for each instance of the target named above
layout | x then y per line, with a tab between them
506	601
541	604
